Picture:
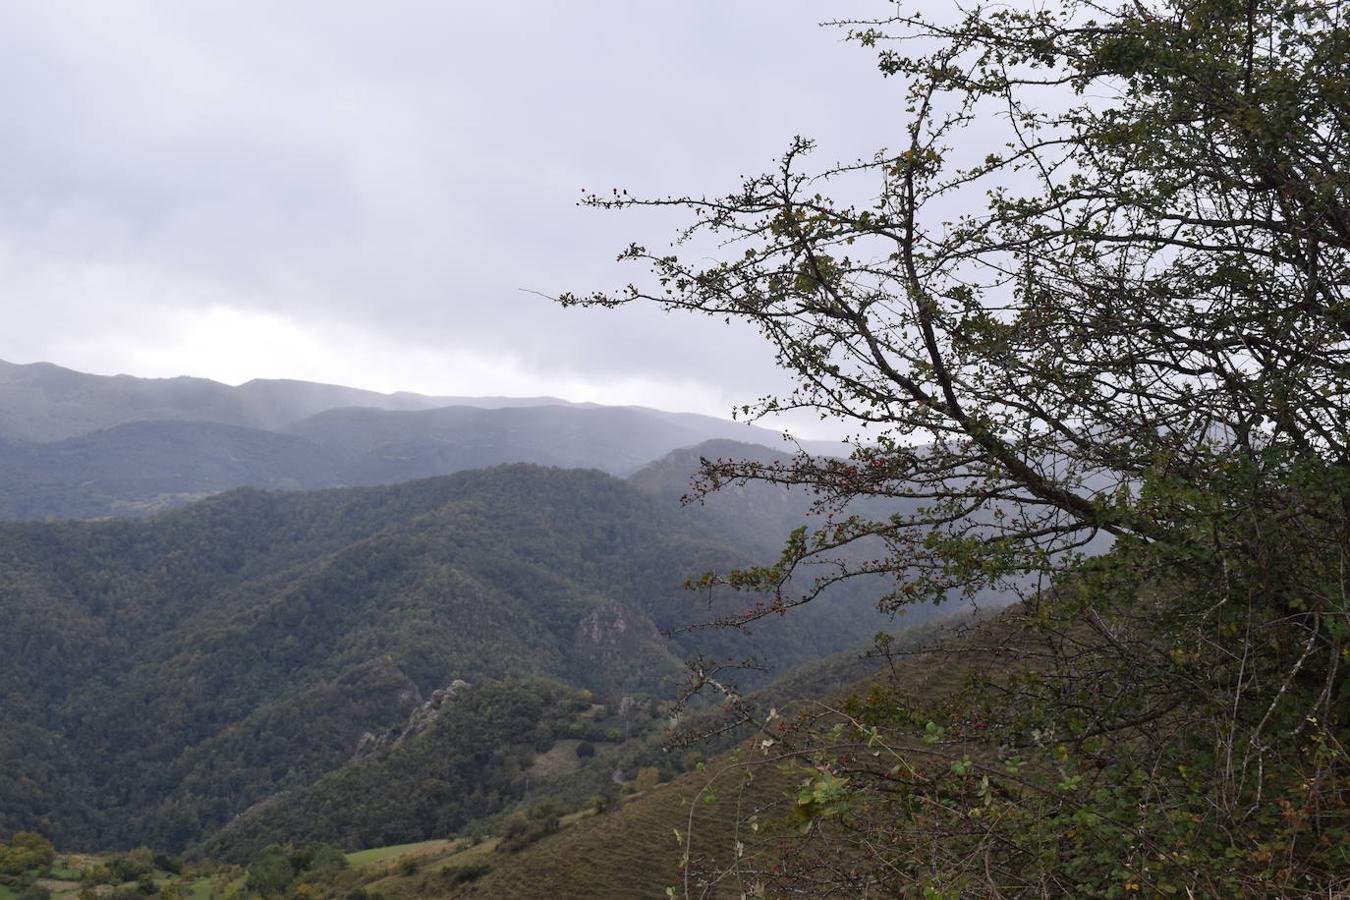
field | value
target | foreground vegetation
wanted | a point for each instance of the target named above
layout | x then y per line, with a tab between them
609	847
1094	294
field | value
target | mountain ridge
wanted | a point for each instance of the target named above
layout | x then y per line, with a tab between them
86	446
266	403
42	401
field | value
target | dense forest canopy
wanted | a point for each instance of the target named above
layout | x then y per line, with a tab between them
159	677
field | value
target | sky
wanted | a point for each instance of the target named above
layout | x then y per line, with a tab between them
378	194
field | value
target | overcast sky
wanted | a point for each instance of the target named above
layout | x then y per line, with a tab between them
358	193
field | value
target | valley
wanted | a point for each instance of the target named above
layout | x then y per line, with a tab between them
208	678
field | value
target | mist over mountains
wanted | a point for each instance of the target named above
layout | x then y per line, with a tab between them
74	445
43	402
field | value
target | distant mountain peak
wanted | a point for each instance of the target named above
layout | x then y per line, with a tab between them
86	446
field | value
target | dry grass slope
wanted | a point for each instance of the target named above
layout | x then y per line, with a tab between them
633	851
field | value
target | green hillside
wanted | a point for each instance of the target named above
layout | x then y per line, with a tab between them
635	848
143	467
160	677
463	759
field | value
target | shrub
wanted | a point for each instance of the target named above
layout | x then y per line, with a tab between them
96	874
270	872
465	874
26	852
647	779
523	829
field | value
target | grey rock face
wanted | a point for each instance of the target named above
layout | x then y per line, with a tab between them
421	719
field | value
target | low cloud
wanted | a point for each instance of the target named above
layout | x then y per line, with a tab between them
359	193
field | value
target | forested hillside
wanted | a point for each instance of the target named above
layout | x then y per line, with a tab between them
468	754
143	467
162	676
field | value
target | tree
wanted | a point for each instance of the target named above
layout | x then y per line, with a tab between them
133	864
1124	314
647	778
27	851
271	872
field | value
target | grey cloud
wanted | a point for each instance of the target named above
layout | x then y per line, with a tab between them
407	168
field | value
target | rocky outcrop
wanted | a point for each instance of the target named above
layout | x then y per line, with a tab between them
613	631
419	721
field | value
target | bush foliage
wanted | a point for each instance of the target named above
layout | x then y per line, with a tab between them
1088	316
